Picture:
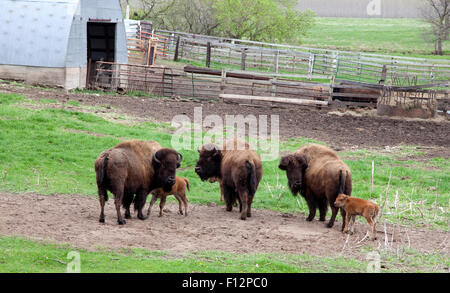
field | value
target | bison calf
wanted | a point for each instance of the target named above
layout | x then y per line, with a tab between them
178	190
354	206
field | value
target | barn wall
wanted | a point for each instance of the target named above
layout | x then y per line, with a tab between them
34	74
45	41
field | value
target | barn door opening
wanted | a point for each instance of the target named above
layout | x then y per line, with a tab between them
101	44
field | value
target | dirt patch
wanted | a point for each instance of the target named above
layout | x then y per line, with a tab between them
73	219
344	131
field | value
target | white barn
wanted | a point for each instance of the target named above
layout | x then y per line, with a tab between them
51	41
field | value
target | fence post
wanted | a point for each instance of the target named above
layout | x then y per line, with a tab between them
336	63
243	57
222	83
275	61
383	75
177	46
274	86
331	90
208	54
432	73
311	66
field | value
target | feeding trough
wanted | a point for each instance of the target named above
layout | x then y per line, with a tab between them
410	102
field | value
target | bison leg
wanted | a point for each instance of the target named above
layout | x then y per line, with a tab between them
346	222
162	202
126	203
374	228
118	191
243	195
352	229
322	209
334	211
117	202
179	199
249	208
152	202
182	199
312	209
228	195
102	195
343	214
141	198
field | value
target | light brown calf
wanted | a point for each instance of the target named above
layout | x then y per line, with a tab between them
178	190
354	206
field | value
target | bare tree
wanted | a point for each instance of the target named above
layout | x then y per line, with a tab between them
437	14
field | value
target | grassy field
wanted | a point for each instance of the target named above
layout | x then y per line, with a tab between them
20	255
385	36
48	150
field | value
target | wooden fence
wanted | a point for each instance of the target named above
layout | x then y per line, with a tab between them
247	87
302	62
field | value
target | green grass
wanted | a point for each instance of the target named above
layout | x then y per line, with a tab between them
388	36
19	255
51	151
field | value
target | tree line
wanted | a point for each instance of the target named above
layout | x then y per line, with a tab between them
257	20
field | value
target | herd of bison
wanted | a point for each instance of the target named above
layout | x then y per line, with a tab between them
133	169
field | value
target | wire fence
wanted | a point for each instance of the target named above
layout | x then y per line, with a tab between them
301	62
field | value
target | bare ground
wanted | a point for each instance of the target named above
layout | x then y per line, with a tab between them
73	219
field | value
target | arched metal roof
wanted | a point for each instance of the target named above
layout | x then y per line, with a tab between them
52	33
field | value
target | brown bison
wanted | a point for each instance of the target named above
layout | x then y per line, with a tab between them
314	171
178	190
134	168
238	171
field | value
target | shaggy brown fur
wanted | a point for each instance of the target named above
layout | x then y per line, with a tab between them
239	171
178	190
134	168
317	173
353	207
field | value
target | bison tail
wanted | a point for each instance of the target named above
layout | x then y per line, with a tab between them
342	179
251	177
101	171
187	184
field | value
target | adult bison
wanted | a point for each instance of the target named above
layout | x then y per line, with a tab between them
314	171
134	168
238	170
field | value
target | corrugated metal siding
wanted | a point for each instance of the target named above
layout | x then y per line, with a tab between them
52	33
35	33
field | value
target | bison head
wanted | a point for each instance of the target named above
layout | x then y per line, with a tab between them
295	166
208	165
340	200
165	162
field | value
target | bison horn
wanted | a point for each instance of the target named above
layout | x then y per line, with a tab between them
180	157
156	159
